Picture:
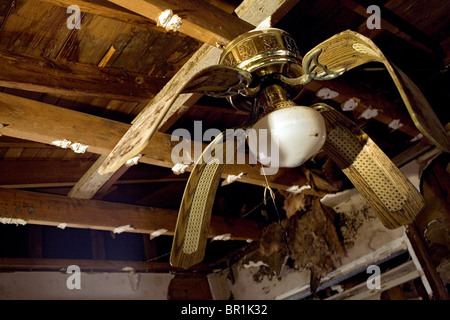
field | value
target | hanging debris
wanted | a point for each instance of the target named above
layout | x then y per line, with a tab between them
125	228
312	243
157	233
297	189
232	178
179	168
294	203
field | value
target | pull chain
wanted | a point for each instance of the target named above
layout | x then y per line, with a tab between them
272	195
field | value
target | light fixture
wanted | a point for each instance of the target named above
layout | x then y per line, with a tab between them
286	134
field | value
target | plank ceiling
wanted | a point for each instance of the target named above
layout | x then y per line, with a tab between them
87	85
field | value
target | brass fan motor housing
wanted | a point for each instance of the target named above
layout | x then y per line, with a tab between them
263	52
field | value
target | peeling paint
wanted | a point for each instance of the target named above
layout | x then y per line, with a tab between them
169	21
369	113
157	233
179	168
133	276
77	147
128	269
395	124
338	287
123	229
326	93
232	178
334	199
258	264
164	17
349	105
266	23
222	237
418	137
133	161
62	143
13	221
297	189
62	226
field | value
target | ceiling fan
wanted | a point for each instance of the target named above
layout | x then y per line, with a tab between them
261	72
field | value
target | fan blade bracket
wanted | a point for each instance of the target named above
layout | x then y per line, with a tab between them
310	64
390	194
220	81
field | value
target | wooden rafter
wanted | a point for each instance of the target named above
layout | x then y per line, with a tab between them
46	264
56	173
43	209
75	79
199	19
23	119
108	10
32	174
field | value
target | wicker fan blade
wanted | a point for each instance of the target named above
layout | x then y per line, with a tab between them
221	81
191	231
390	194
349	50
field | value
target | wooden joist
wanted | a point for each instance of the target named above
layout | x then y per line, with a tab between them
198	19
57	173
75	79
34	174
90	265
44	209
24	119
106	9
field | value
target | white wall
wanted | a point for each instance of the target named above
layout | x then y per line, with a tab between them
52	285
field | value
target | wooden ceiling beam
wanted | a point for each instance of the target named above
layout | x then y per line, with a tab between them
51	210
91	265
40	122
75	79
199	19
44	173
108	10
57	173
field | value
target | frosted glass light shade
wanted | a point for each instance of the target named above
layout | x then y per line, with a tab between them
298	133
